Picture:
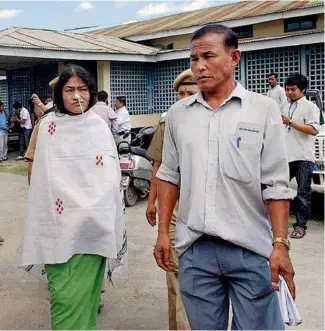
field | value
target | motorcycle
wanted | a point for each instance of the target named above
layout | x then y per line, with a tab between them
136	166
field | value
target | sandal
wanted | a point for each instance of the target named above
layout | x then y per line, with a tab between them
298	233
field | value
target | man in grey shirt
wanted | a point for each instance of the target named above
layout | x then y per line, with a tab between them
225	148
276	92
102	109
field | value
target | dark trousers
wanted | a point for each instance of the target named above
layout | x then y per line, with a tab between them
214	271
303	171
24	140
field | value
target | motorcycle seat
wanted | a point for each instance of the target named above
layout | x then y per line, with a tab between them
140	151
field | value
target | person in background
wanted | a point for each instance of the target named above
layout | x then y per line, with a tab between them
26	128
48	102
3	138
276	92
31	106
301	120
76	234
39	107
102	109
3	133
123	120
225	157
185	86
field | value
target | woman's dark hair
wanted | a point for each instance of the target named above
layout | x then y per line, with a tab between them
230	37
297	79
71	71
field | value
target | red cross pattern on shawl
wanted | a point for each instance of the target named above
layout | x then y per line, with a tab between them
99	161
51	129
59	206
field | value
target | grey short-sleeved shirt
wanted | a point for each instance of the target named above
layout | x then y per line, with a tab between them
228	162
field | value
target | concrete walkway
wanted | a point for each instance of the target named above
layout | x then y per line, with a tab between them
137	301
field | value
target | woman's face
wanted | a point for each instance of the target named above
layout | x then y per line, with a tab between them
75	95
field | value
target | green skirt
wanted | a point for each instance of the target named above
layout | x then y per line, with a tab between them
75	291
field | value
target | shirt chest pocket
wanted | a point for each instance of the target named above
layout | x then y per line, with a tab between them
240	153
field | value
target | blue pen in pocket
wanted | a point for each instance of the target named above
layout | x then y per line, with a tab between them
238	141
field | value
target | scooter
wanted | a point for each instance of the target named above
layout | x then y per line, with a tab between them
136	166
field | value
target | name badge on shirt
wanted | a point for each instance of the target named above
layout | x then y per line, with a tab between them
248	133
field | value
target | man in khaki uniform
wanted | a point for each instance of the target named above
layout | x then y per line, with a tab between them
185	86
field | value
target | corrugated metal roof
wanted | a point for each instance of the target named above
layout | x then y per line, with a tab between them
67	41
234	11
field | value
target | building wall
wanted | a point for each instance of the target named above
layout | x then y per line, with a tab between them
180	42
268	29
320	22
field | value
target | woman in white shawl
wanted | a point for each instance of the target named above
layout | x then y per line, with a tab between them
74	219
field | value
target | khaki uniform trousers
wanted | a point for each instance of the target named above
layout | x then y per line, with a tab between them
176	311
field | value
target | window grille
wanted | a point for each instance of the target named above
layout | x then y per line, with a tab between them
316	75
259	64
132	81
164	74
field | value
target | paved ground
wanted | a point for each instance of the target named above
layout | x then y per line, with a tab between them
137	301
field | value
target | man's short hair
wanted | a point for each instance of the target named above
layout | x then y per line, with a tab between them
230	37
273	74
1	103
122	99
297	79
102	96
17	105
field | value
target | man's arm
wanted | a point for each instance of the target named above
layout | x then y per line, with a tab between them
30	168
21	121
280	262
304	128
283	99
151	206
29	155
114	126
277	194
155	153
168	182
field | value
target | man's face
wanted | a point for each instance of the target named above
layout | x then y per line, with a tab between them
48	100
272	81
211	63
118	104
186	91
2	108
294	93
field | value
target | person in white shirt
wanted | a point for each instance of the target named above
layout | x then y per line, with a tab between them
276	92
26	128
301	120
123	121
